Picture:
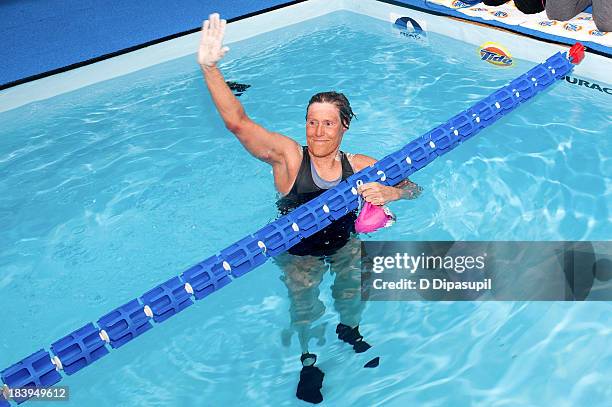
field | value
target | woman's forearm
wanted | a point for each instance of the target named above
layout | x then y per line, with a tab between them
227	104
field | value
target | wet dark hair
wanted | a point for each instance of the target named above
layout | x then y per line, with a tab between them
338	100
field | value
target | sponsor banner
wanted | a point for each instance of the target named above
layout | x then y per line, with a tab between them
503	271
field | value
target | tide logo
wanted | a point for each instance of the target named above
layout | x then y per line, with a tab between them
500	14
597	33
495	54
585	18
458	4
572	27
547	23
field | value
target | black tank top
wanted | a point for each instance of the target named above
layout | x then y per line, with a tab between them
328	240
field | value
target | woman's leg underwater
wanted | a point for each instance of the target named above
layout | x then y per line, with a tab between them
346	291
302	275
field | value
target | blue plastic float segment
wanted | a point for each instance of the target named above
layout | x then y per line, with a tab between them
167	299
125	323
368	174
3	402
524	87
310	218
419	153
35	370
341	199
443	138
244	255
394	167
465	125
505	99
560	64
206	277
278	236
485	111
79	348
542	76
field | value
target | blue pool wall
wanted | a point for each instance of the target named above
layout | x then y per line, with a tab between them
43	36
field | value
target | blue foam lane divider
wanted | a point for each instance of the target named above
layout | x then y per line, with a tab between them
88	344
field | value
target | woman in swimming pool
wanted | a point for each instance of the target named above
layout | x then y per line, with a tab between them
301	174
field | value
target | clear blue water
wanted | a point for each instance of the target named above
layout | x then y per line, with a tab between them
112	189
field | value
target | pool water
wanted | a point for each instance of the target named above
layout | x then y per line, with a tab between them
109	190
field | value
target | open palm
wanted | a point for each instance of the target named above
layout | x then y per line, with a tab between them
211	48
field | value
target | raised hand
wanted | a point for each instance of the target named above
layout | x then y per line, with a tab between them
211	48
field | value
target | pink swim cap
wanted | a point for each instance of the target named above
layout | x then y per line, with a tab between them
372	218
